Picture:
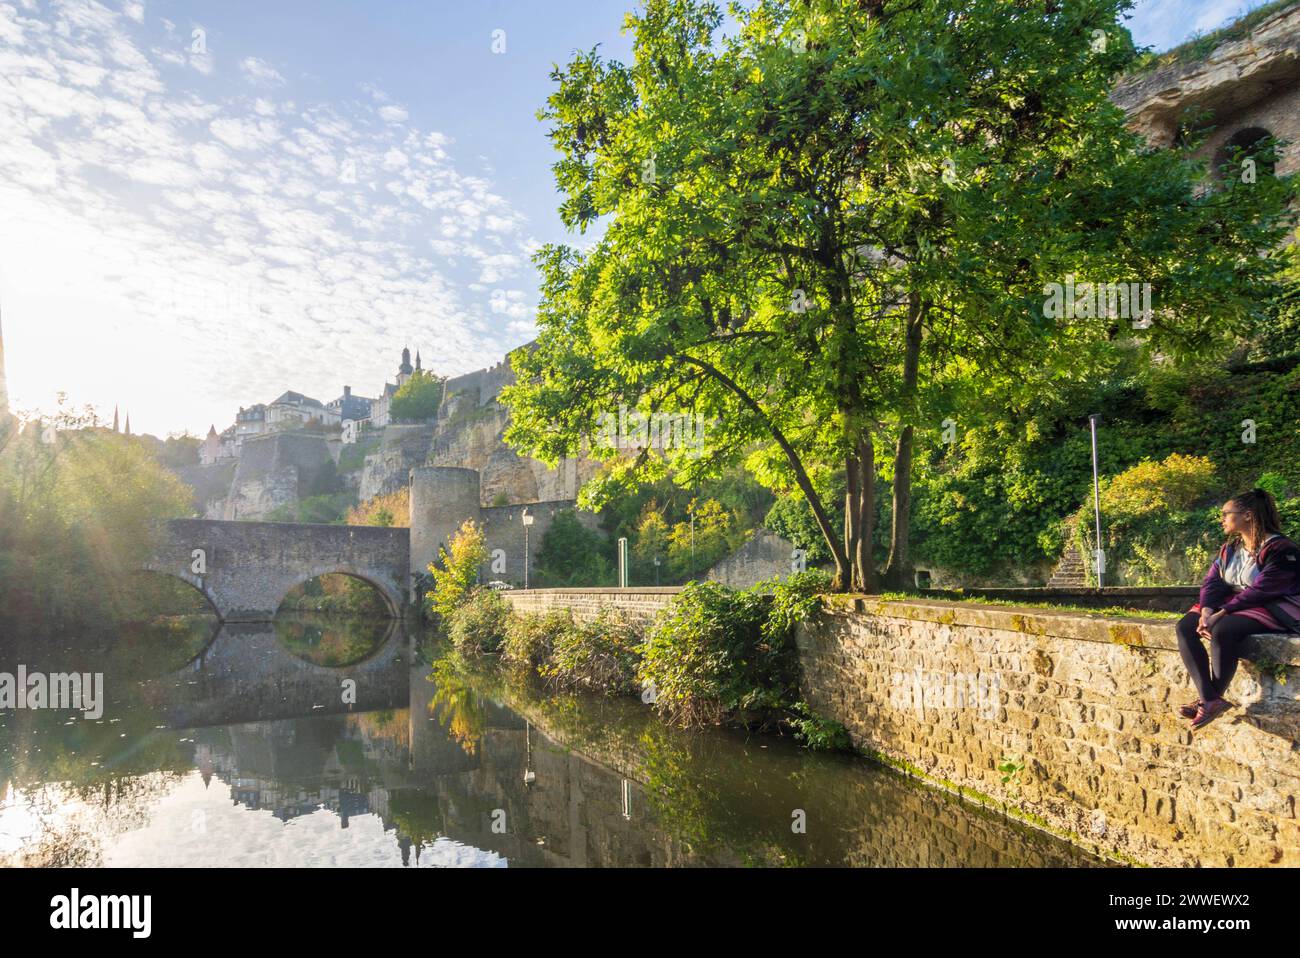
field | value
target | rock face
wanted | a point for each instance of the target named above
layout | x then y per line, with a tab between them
468	435
1246	84
401	449
279	470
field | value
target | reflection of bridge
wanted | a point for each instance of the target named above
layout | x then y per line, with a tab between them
245	569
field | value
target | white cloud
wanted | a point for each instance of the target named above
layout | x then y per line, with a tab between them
259	71
255	245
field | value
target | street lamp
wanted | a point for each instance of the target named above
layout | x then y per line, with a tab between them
656	571
528	521
1099	556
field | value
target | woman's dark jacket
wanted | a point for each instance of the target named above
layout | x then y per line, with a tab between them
1278	578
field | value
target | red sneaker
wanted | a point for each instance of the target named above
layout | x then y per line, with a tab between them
1208	712
1188	711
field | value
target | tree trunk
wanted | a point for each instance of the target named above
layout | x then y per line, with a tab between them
859	513
898	570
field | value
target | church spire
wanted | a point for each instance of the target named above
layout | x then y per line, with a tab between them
115	423
128	424
417	360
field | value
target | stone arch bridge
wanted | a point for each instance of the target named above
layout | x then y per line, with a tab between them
246	568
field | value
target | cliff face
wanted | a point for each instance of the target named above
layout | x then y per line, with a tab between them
279	470
388	469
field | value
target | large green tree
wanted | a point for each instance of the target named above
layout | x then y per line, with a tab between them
835	224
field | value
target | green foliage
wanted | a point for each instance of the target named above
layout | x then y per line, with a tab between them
794	599
337	594
353	455
792	517
1275	484
818	733
477	625
330	508
740	177
599	656
707	657
455	580
78	518
530	638
418	398
1159	521
572	555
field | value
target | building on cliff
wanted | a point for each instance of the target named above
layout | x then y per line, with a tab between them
380	409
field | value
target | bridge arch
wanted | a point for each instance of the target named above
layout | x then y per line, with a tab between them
392	603
247	568
201	587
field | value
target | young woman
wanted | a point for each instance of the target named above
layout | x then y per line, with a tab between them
1253	586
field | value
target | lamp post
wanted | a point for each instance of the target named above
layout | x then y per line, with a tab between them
1099	556
656	571
528	521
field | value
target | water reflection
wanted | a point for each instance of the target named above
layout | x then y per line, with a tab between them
331	640
249	754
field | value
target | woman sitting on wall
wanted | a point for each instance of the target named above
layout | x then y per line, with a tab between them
1253	586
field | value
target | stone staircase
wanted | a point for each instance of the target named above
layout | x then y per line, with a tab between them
1070	571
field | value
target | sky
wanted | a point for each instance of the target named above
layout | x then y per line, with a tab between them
203	204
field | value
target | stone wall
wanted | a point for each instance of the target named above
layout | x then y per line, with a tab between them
640	605
1086	705
765	556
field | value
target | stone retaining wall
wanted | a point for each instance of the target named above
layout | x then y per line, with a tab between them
640	605
1086	704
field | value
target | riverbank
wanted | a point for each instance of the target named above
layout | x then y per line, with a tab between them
1062	719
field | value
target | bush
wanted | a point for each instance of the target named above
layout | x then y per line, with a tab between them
599	656
706	657
570	554
1158	521
817	733
453	583
531	637
478	625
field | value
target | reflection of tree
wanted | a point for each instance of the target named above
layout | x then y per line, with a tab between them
160	645
330	641
456	705
69	827
417	814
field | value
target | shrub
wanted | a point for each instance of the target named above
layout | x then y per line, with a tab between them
598	656
817	733
478	625
706	656
1157	521
459	573
530	638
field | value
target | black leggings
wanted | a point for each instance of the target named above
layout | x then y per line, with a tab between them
1212	673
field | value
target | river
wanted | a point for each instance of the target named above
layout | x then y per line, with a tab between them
313	742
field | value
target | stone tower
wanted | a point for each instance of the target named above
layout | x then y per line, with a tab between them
442	498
